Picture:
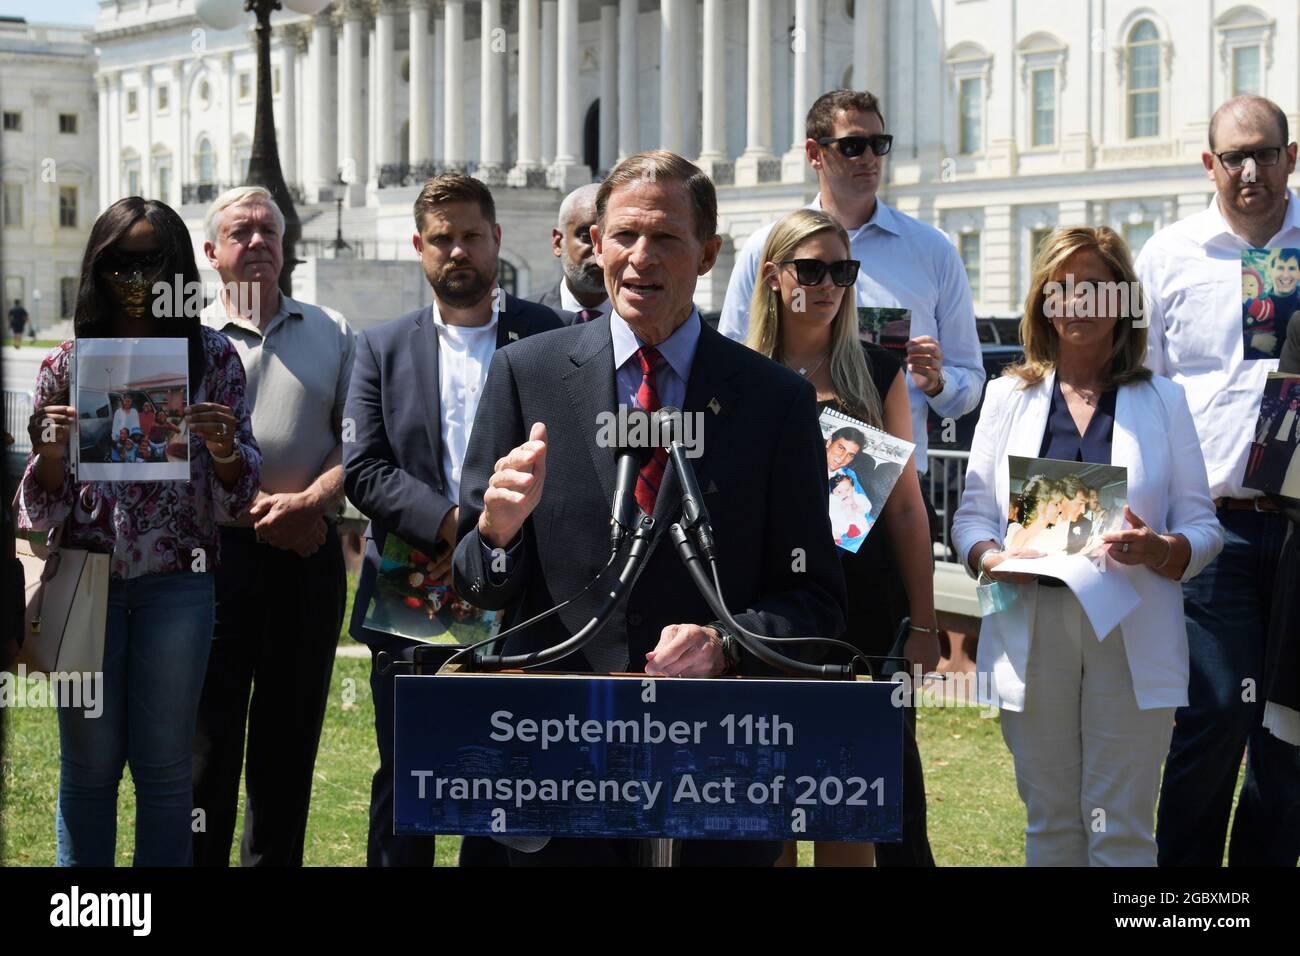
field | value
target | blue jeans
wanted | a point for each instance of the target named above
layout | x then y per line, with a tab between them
159	632
1227	608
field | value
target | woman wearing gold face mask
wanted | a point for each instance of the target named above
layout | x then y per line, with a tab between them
162	537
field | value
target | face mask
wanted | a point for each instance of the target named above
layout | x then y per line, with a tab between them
129	279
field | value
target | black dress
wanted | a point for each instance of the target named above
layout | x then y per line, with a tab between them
877	598
877	604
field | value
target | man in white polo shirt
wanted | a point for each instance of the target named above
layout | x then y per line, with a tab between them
1191	273
281	586
905	264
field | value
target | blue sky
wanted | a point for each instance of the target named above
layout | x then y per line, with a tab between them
53	11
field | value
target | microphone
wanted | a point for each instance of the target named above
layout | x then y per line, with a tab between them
624	511
695	517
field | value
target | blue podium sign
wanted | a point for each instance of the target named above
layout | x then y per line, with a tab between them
753	759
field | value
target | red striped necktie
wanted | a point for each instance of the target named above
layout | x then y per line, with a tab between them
647	396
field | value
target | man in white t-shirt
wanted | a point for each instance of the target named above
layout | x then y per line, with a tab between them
1191	275
416	385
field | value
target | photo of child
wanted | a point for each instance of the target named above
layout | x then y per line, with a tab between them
862	465
1270	296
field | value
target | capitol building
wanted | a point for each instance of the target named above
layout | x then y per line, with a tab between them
1010	118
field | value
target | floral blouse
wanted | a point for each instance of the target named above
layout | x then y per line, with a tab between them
150	527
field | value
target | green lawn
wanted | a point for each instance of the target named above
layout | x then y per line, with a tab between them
975	817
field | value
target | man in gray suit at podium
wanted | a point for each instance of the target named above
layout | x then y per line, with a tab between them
579	295
538	481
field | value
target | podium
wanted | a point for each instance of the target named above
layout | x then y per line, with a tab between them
569	755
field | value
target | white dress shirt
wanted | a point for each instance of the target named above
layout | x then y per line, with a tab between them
130	420
905	264
570	304
464	354
1191	275
1155	440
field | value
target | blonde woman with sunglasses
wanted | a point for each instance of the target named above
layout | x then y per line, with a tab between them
804	315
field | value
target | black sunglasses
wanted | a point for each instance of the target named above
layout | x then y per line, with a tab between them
120	262
813	271
851	147
1236	158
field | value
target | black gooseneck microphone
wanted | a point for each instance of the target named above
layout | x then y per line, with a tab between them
695	517
624	511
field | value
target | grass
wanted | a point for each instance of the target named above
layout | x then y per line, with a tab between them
975	816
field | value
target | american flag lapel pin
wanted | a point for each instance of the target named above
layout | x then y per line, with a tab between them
512	336
714	406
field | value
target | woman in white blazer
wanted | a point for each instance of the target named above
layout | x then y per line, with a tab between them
1088	717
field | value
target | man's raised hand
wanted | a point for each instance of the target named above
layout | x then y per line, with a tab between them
514	489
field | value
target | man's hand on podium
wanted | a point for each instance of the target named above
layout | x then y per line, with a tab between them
514	490
687	650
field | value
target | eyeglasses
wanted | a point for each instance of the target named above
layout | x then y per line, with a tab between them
813	271
851	147
1236	158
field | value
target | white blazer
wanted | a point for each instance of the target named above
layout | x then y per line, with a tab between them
1156	440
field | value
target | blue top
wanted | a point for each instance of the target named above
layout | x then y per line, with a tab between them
1061	438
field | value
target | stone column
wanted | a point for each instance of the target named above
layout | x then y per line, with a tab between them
671	133
608	153
807	87
103	119
323	160
350	82
568	171
713	125
550	20
530	141
628	88
453	119
288	138
758	87
384	100
492	95
419	113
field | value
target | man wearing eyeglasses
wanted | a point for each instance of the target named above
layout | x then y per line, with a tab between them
1191	274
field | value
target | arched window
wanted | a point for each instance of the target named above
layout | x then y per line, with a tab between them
1143	61
507	277
206	161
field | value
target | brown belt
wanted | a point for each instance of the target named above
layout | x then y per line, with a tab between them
1247	504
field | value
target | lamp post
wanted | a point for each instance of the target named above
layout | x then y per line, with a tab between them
264	163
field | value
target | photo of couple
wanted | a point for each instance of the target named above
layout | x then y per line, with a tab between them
130	396
862	465
1063	507
1274	462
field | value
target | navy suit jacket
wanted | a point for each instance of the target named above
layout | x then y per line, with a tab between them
762	474
392	470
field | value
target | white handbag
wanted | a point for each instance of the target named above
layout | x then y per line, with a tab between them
67	607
